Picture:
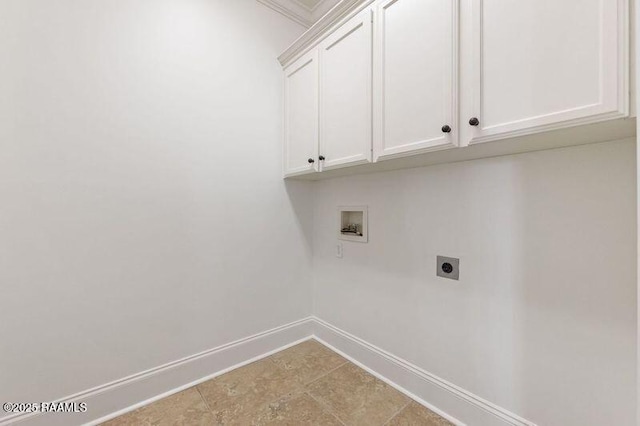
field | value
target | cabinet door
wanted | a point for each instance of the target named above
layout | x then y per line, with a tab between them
301	116
538	65
345	94
416	77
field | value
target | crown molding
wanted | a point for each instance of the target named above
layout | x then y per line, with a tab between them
291	9
322	28
321	8
298	12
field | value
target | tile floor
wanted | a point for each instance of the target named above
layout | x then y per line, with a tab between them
307	384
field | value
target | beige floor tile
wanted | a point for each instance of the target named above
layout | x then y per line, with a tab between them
184	408
298	410
416	414
273	391
236	397
356	397
309	360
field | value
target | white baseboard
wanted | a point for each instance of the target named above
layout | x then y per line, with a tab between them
116	398
121	396
450	401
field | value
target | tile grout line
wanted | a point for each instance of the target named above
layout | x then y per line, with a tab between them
398	412
325	408
346	361
305	386
327	373
205	401
404	407
328	409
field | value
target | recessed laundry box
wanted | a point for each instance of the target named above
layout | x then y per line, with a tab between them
352	223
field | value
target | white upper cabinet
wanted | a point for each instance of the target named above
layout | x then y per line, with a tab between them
301	116
345	94
377	80
416	77
538	65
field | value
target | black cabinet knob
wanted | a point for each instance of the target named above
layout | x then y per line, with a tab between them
474	121
321	158
311	160
446	129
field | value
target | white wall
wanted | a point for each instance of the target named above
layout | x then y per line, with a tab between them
543	319
143	217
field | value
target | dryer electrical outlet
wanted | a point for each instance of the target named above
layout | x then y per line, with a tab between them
448	267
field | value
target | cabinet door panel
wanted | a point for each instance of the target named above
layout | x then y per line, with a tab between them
415	76
301	116
544	64
345	93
